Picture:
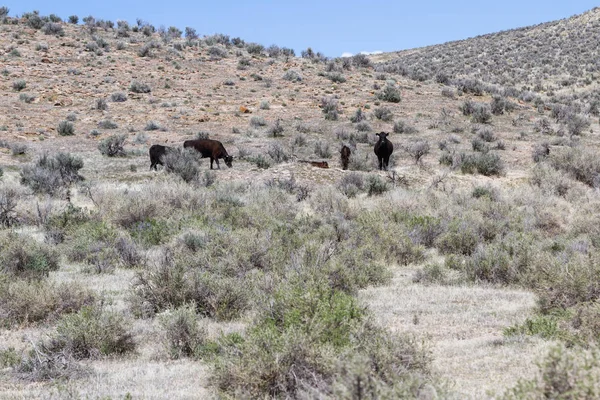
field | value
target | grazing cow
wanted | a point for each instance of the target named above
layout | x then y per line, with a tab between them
383	149
157	152
345	156
210	148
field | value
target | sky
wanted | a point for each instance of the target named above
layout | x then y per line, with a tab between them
332	27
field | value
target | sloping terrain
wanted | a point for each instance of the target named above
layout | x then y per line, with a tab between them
478	248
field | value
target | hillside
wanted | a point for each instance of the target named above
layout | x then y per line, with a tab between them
556	61
451	275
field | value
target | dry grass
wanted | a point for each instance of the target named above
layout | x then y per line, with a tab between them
463	323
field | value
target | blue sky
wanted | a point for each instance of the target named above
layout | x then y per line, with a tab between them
332	27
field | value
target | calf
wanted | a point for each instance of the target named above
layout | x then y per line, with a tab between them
345	156
210	148
383	149
157	152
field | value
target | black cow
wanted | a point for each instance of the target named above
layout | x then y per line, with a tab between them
345	156
157	152
383	149
210	148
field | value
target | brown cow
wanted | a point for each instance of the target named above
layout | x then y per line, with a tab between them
210	148
345	156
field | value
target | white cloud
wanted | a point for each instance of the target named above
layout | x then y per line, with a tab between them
368	53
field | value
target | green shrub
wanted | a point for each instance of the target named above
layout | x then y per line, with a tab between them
383	113
91	333
292	76
329	107
26	302
460	237
112	146
583	165
27	258
107	124
19	85
563	374
139	87
183	163
183	336
376	185
390	93
65	128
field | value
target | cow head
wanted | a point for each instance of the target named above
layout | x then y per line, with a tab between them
382	135
228	160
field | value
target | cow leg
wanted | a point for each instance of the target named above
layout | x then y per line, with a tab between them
218	165
211	163
380	163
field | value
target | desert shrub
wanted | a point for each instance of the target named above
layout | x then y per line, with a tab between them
376	185
112	146
431	273
183	162
46	363
65	128
24	257
322	149
276	130
257	121
352	184
482	114
92	332
26	98
361	61
264	105
183	336
152	126
73	19
52	174
479	145
100	105
336	77
576	124
460	237
498	105
9	198
329	107
107	124
118	97
19	85
404	127
488	163
139	87
383	113
486	134
468	107
540	151
583	165
492	263
171	285
4	11
358	116
417	150
26	302
260	161
363	126
564	374
217	52
390	93
292	76
277	153
51	28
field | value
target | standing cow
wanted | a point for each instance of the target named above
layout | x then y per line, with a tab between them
157	152
345	156
210	148
383	149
